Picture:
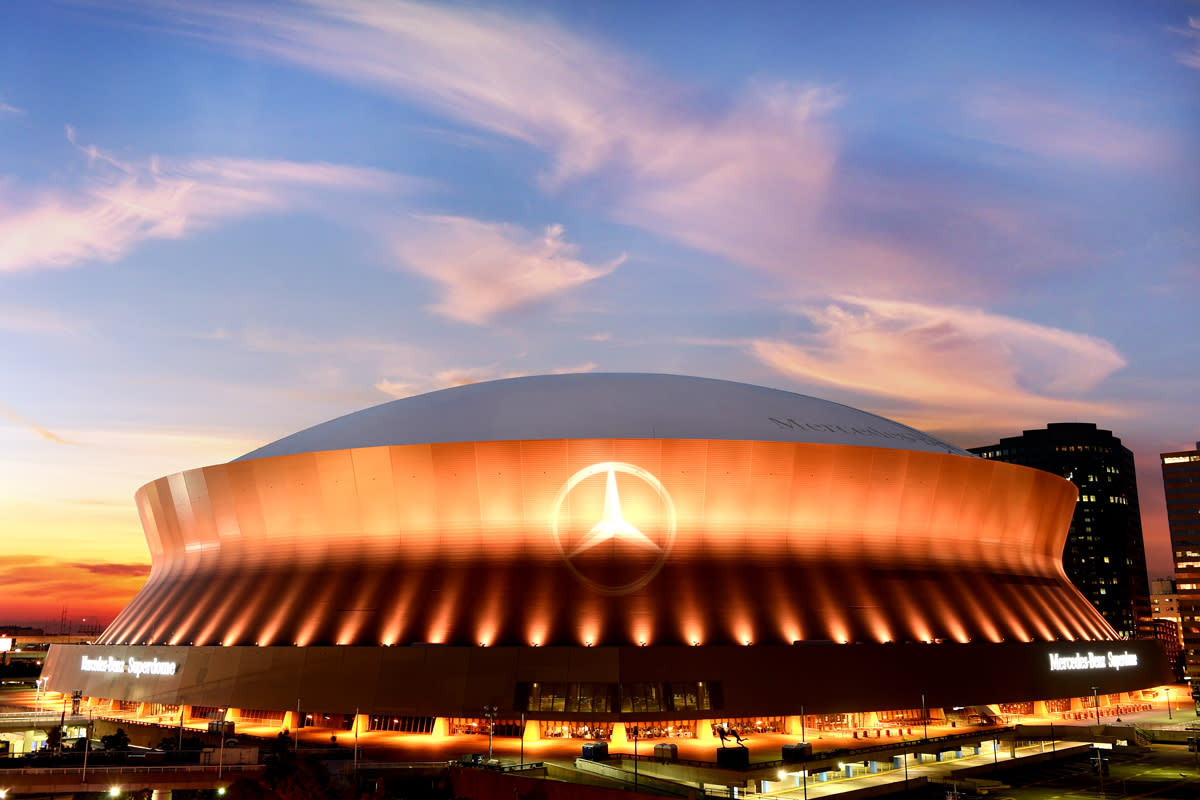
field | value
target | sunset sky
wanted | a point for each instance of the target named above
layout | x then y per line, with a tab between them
222	222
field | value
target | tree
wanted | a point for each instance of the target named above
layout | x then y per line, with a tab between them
54	739
118	740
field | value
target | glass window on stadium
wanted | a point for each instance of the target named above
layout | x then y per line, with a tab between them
675	696
468	725
207	712
1059	705
321	719
262	716
574	698
401	724
161	710
747	726
1017	709
668	729
126	705
900	716
601	731
603	698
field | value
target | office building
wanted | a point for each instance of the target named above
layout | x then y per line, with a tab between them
1181	484
1104	555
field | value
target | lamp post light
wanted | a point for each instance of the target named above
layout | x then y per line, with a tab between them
1169	717
490	713
87	746
633	729
924	716
1096	699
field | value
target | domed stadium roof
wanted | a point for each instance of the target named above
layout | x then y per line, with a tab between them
606	406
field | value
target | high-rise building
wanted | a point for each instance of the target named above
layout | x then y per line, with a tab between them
1181	483
1104	556
1164	616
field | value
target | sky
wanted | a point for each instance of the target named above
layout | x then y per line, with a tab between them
223	222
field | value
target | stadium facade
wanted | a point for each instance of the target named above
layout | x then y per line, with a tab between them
590	550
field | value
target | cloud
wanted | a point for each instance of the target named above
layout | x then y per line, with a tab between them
1192	57
115	570
397	389
25	320
5	108
967	366
50	436
122	204
461	376
1058	129
745	180
483	269
39	588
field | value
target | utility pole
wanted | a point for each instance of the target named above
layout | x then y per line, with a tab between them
490	713
87	745
924	716
1096	699
635	731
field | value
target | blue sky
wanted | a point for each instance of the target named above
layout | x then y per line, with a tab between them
223	222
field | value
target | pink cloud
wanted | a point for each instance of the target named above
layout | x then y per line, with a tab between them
746	182
15	418
960	367
483	269
1192	57
1057	128
120	204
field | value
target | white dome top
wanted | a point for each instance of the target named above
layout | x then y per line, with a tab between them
606	406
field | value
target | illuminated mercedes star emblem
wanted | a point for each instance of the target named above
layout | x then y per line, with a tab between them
644	556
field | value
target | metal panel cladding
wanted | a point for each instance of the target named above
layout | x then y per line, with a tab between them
606	541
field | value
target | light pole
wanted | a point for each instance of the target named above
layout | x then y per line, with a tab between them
490	713
924	716
1096	699
634	730
1169	717
356	749
804	738
87	746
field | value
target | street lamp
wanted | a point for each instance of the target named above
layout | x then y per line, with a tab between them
490	713
1096	699
633	730
924	716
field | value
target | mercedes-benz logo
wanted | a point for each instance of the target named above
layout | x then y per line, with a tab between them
612	527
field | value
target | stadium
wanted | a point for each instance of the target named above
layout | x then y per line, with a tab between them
575	553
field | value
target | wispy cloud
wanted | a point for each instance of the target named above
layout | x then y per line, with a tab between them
969	365
27	320
1057	128
461	376
483	269
39	587
745	181
17	419
1191	57
121	204
5	108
